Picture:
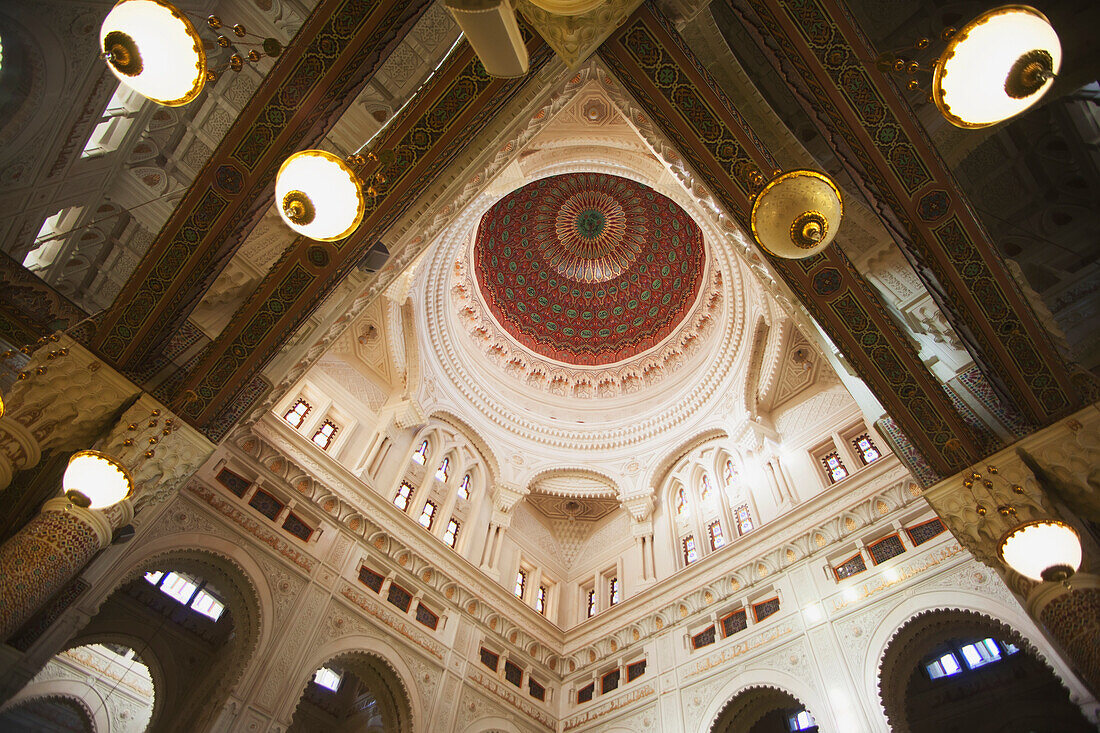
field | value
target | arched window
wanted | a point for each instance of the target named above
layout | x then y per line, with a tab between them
441	472
704	489
730	473
464	487
420	455
681	502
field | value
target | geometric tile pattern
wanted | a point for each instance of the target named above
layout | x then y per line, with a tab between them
588	268
40	560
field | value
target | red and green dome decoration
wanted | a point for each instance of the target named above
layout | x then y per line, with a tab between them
587	268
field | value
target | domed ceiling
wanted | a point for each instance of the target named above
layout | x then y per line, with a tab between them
588	268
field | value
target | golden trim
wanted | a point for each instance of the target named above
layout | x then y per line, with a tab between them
200	65
352	175
122	53
109	459
949	51
801	225
796	173
299	208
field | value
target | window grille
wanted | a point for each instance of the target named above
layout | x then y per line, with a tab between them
886	548
852	566
866	449
691	553
703	638
399	597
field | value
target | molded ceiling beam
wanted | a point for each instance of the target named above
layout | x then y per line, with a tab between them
448	115
817	48
670	85
337	51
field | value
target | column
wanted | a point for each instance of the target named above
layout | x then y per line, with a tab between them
45	555
769	471
1071	613
785	480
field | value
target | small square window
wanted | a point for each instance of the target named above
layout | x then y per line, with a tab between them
921	533
866	449
691	553
609	681
734	622
266	504
399	597
764	609
297	413
634	670
297	527
540	599
704	638
717	539
490	659
207	605
744	520
371	579
450	536
521	584
513	673
536	690
403	495
834	467
945	666
852	566
427	515
238	485
325	434
327	678
886	548
585	693
426	616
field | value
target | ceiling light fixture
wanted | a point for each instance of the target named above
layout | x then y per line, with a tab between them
319	195
996	66
797	214
94	480
152	47
1044	549
993	68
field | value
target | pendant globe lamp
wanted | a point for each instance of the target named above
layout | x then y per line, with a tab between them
996	66
797	214
319	196
152	47
94	480
1044	550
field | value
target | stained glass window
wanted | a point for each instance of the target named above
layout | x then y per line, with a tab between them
704	490
613	591
403	495
540	599
441	472
691	553
464	487
451	535
744	519
521	584
420	455
325	434
427	515
866	449
681	501
834	467
717	539
297	413
591	603
730	473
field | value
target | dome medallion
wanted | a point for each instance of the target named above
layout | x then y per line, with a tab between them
588	269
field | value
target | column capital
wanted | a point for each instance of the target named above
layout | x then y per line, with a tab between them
65	400
160	450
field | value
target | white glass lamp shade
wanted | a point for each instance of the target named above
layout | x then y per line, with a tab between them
153	48
96	480
797	214
1042	550
319	196
996	66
